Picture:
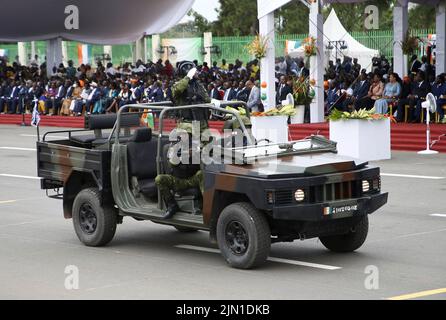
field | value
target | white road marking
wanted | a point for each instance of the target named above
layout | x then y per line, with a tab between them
278	260
18	176
35	136
17	149
407	236
438	215
411	176
8	201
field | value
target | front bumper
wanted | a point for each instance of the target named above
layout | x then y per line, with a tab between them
331	210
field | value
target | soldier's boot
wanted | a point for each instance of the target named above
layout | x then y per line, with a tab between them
172	207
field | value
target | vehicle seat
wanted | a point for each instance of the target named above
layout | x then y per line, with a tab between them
141	157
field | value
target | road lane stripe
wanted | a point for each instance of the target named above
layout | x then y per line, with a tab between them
278	260
17	149
411	176
18	176
8	201
438	215
35	136
419	294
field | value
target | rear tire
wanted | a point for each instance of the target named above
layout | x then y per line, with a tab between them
243	236
349	242
95	225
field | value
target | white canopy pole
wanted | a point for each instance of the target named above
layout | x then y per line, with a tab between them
109	50
22	53
267	64
441	38
156	43
400	25
207	42
317	62
141	49
53	55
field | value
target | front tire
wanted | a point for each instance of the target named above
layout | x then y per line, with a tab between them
350	241
243	236
95	225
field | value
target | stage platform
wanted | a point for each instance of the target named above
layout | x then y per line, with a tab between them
405	137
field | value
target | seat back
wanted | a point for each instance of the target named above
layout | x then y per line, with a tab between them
141	154
107	121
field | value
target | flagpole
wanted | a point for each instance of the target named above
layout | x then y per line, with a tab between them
35	122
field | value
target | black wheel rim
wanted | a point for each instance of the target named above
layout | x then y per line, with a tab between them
237	238
88	219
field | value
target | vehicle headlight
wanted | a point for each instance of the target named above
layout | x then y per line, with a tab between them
299	195
365	186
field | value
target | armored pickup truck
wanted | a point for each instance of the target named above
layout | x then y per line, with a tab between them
273	193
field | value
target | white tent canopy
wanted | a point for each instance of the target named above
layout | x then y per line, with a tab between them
100	21
335	31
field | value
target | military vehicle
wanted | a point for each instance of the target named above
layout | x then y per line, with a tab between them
277	193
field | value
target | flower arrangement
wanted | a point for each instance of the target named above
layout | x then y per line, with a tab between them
303	90
362	114
258	47
409	44
310	47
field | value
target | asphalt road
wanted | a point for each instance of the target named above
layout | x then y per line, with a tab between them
406	247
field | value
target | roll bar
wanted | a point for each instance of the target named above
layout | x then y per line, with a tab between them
165	107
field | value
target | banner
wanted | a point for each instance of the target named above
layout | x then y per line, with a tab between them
185	49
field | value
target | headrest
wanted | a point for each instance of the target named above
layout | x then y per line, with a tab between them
142	135
107	121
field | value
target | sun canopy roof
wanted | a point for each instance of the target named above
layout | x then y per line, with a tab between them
100	21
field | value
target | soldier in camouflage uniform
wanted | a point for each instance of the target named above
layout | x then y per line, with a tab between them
187	91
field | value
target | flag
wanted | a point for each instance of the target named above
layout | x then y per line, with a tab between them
36	116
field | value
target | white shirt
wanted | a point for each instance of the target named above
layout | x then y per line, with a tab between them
90	97
111	71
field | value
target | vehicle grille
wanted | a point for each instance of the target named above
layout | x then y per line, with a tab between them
321	193
334	191
283	197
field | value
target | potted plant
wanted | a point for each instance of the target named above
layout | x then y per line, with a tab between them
258	47
272	124
310	48
362	134
409	46
303	94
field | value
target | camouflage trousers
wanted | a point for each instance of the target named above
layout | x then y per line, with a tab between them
168	183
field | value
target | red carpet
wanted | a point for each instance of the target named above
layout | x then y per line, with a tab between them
405	137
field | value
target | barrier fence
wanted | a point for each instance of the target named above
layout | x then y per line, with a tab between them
232	48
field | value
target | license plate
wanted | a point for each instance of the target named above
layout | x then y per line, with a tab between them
328	211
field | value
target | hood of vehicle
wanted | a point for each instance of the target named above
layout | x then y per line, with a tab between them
297	165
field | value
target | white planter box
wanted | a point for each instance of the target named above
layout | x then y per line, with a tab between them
300	115
274	128
367	140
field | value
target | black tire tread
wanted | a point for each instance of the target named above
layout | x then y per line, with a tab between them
110	219
348	242
263	233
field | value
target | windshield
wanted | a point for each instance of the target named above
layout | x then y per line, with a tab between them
255	152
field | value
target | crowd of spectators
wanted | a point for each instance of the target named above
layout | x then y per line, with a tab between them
75	91
349	87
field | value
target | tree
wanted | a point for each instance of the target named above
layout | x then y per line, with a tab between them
236	18
293	18
201	23
422	17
